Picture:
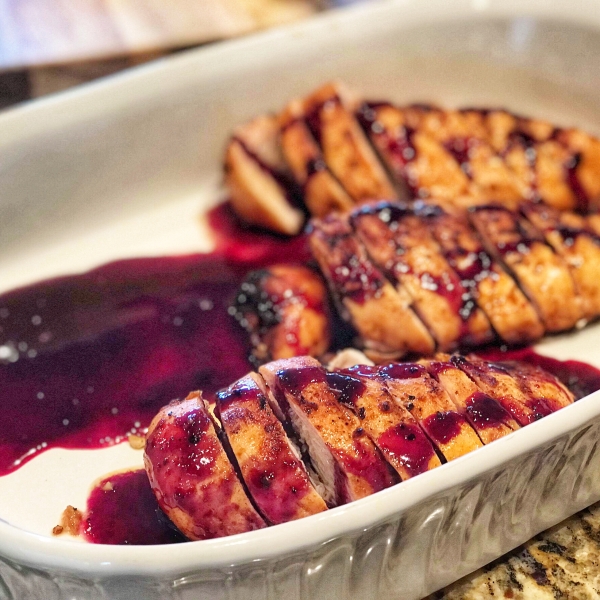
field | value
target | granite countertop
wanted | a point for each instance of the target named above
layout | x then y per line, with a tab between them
562	562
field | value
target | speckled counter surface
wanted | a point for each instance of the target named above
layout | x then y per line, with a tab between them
562	562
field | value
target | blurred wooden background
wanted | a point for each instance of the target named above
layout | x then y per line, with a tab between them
49	45
50	32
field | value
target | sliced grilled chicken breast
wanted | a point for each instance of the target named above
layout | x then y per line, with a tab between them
466	136
330	115
579	247
399	241
593	222
191	476
411	386
381	315
345	458
274	476
512	316
393	429
255	177
582	170
285	310
497	383
541	273
489	419
322	192
419	164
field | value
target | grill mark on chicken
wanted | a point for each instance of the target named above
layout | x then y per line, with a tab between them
285	310
365	297
398	240
579	247
540	272
343	455
191	476
412	387
498	383
489	419
391	427
275	478
346	150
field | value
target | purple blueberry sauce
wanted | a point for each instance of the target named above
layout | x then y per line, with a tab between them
409	445
89	358
122	509
443	427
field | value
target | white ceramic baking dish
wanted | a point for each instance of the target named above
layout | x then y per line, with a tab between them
126	167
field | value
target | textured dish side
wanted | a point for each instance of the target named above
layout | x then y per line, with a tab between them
407	556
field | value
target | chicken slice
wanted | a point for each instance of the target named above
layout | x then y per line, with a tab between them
558	166
381	315
322	192
582	169
330	116
399	241
593	222
568	234
393	429
274	476
419	164
346	460
538	384
512	316
497	383
260	191
191	476
489	419
285	310
541	273
410	385
465	135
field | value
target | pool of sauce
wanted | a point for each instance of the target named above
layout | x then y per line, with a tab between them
87	359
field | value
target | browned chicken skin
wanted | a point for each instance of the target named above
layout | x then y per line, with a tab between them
578	246
541	273
399	241
411	386
367	299
322	191
330	116
285	310
393	429
489	285
275	477
489	419
497	382
191	476
343	455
